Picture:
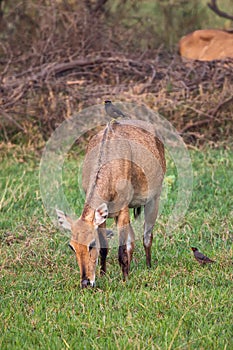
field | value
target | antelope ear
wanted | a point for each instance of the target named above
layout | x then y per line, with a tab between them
101	214
64	221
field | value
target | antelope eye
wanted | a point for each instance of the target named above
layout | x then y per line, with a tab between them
92	245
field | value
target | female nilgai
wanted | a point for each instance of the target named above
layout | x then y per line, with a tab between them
123	168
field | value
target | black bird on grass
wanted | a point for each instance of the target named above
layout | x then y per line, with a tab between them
201	258
113	111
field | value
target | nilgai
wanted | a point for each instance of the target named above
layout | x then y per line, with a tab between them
124	167
207	45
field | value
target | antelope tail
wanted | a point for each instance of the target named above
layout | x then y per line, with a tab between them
137	212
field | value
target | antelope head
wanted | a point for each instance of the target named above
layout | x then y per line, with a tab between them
85	241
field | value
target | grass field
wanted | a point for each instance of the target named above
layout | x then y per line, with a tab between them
177	304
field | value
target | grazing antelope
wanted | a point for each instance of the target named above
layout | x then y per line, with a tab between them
123	168
207	45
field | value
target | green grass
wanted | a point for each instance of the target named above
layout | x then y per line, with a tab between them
175	305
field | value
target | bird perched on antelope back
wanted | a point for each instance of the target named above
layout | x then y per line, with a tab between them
113	111
201	258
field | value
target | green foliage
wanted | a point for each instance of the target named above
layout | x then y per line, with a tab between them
175	305
164	22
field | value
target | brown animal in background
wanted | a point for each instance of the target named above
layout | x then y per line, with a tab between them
207	45
124	168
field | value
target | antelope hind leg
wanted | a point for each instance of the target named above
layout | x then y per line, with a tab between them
151	212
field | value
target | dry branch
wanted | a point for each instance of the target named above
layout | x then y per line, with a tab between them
7	116
221	104
214	7
180	91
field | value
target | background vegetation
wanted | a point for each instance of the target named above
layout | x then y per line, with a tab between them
56	58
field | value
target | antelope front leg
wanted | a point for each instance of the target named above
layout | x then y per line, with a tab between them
151	212
126	241
103	247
